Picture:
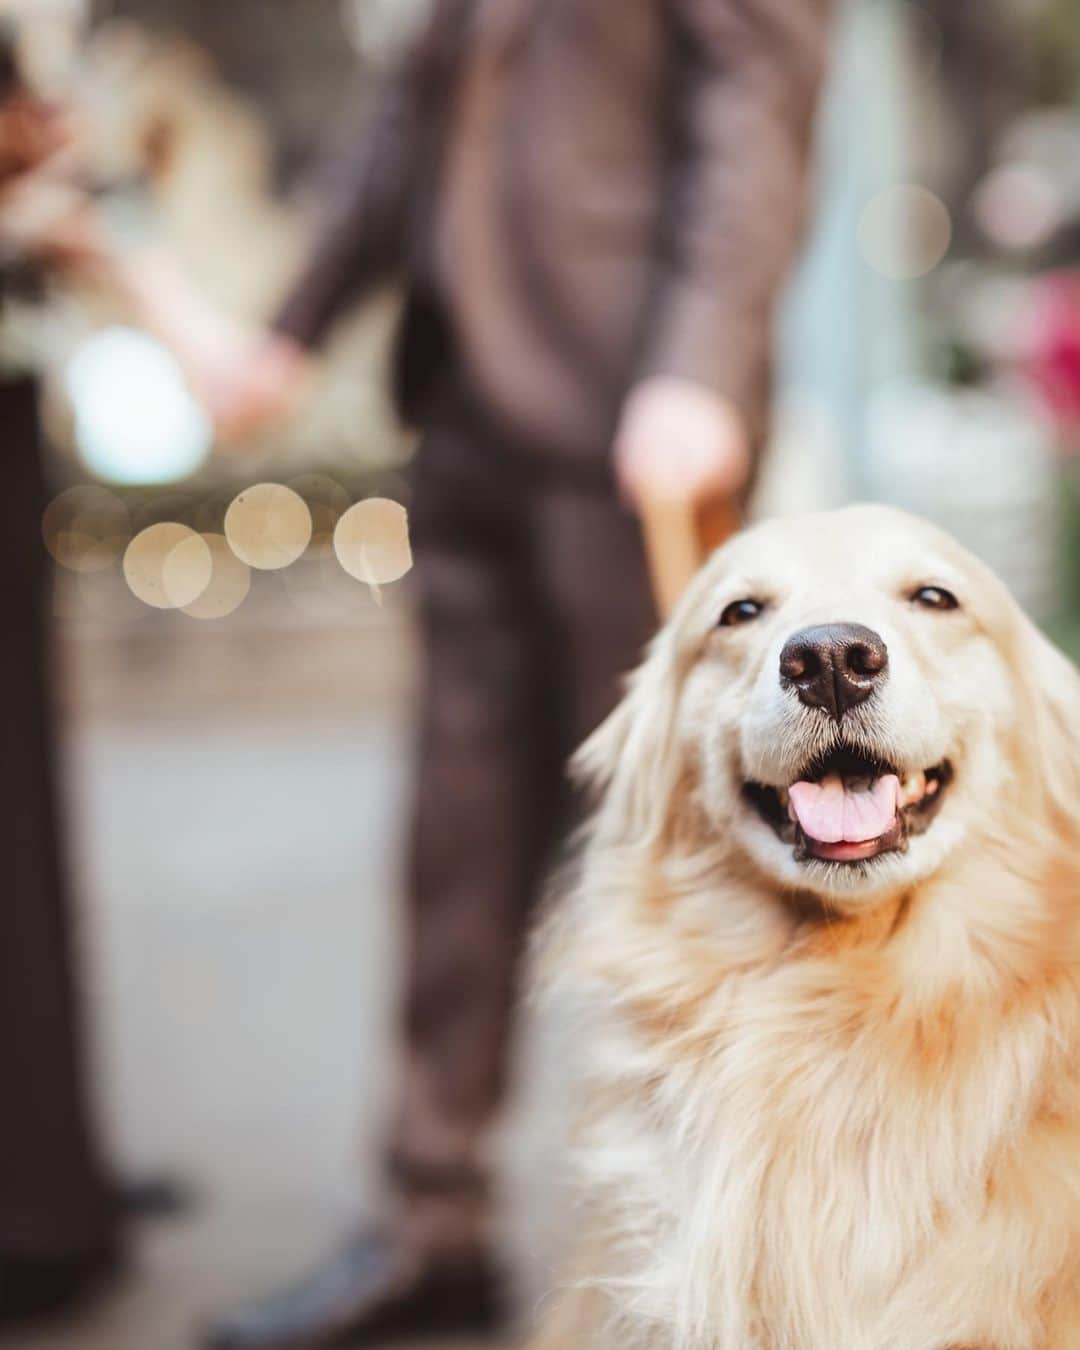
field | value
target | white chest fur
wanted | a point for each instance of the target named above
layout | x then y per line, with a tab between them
805	1166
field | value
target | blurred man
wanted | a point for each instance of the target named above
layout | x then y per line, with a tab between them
57	1220
594	207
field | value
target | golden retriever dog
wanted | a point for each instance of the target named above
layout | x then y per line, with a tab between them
826	940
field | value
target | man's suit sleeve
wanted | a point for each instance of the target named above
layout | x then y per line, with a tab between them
745	101
365	217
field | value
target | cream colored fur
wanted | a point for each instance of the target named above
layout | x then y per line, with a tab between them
829	1108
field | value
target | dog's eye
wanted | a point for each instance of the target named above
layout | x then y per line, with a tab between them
741	611
935	597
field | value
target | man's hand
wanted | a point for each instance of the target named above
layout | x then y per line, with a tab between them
679	441
54	223
252	382
248	378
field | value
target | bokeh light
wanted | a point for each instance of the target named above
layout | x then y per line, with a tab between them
1018	206
168	566
86	528
135	419
372	541
268	526
230	581
904	232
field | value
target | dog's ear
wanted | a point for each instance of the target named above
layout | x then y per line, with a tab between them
631	762
1055	688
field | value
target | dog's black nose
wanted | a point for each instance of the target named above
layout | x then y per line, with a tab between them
835	666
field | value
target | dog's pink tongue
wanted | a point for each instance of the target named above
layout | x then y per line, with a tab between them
832	813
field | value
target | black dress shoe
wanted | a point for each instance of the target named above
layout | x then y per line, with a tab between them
32	1290
375	1290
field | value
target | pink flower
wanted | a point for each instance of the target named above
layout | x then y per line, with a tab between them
1050	344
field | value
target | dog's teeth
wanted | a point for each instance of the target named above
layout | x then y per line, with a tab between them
914	788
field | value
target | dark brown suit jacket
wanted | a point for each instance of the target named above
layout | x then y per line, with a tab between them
581	193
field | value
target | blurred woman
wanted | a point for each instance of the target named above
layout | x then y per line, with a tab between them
58	1235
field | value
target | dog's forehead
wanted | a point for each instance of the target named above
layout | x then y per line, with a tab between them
855	543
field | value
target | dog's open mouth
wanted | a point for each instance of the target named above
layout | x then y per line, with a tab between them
846	808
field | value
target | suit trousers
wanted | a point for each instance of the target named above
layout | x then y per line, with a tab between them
534	601
53	1195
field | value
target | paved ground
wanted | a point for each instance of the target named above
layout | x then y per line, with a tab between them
238	852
